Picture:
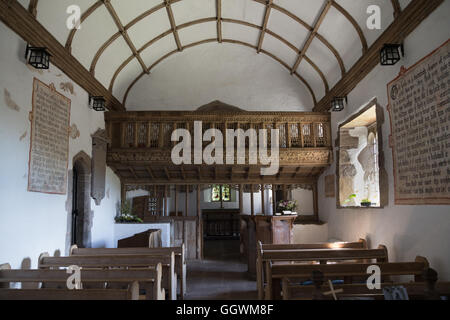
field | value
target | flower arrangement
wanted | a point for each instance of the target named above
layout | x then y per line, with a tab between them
287	205
125	214
127	218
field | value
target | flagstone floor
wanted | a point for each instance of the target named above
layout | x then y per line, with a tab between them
221	275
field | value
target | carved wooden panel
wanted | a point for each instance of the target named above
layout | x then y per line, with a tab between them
99	148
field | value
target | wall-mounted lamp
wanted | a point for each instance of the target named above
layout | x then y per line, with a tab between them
390	54
338	104
97	103
38	57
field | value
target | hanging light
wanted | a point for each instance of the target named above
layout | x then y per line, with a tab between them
97	103
338	104
390	54
38	57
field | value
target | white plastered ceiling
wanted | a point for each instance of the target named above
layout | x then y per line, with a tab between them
206	69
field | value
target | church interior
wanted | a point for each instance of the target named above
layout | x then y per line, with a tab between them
224	149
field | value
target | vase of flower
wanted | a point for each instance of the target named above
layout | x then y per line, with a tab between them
287	205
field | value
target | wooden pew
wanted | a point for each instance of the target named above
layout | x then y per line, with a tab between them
322	256
169	279
345	271
65	294
180	257
271	252
150	279
425	286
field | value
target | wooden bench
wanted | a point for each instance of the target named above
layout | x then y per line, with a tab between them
65	294
149	279
321	256
295	252
424	287
349	272
169	281
180	254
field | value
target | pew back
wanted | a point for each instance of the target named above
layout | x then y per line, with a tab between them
150	279
180	256
346	271
118	261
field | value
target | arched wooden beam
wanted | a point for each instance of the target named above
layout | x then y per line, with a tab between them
32	7
355	24
318	35
84	16
204	20
397	8
312	35
232	41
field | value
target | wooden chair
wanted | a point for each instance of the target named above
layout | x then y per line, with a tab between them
180	254
169	278
349	272
322	252
149	279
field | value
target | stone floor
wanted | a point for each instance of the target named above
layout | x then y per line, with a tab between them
221	275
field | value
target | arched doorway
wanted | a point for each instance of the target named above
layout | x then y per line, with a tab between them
80	221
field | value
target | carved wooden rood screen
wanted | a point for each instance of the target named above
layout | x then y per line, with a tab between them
140	149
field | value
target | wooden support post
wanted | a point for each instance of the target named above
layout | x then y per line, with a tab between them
123	193
316	201
186	212
176	200
199	226
241	199
252	200
166	204
263	208
274	198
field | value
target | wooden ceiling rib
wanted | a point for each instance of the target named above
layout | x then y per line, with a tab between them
227	20
312	35
174	29
397	8
84	16
232	41
219	20
32	7
264	25
173	24
403	25
124	33
341	88
354	23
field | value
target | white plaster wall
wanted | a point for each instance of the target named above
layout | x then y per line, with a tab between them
305	201
31	223
407	231
310	233
235	75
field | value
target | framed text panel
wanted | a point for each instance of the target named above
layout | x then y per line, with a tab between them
49	146
419	110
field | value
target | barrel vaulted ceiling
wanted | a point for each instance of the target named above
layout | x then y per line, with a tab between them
123	41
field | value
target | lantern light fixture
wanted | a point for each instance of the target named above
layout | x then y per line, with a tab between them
97	103
338	104
390	54
38	57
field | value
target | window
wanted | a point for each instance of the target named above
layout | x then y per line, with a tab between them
220	193
358	169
